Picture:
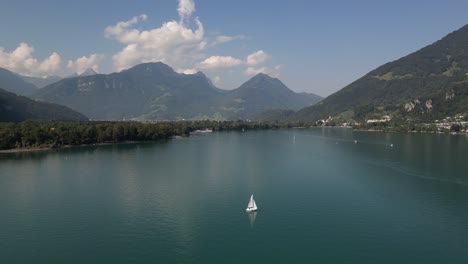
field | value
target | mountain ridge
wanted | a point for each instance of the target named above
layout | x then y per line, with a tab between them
426	75
154	91
11	82
88	72
15	108
41	82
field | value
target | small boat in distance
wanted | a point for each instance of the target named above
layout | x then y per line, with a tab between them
252	206
206	130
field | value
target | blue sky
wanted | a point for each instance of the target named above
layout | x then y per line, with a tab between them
313	46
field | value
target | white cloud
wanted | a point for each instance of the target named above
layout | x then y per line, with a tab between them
253	71
181	44
274	72
252	60
50	64
185	9
257	57
224	39
187	71
21	61
219	62
121	31
173	43
216	80
83	63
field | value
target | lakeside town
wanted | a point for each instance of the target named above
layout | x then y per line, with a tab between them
450	124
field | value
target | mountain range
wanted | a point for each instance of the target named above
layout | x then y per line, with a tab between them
11	82
429	84
154	91
27	85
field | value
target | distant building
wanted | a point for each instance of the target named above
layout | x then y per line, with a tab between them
384	119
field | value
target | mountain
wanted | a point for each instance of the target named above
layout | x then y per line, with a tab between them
14	108
41	82
88	72
147	91
15	84
262	93
311	97
275	115
428	84
154	91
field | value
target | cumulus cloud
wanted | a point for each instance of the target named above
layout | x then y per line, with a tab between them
121	31
252	60
185	9
219	62
51	64
22	61
83	63
173	43
257	57
181	44
272	71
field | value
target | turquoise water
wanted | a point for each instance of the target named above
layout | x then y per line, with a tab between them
322	199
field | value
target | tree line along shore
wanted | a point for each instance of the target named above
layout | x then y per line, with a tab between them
34	135
38	135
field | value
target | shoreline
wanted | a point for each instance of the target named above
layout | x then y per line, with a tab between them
412	132
53	135
37	149
8	151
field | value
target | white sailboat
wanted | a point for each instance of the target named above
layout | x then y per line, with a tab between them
252	206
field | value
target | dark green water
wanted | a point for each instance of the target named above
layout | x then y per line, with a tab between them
322	199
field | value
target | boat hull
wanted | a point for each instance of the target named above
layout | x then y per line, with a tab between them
250	210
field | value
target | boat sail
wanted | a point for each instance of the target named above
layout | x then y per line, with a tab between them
252	206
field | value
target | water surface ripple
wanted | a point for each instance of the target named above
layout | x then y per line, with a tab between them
326	195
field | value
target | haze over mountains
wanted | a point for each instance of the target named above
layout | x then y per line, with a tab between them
13	83
428	84
154	91
41	82
27	85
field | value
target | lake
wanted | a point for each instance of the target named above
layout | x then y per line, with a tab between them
322	198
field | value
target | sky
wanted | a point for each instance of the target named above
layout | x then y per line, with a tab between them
312	46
